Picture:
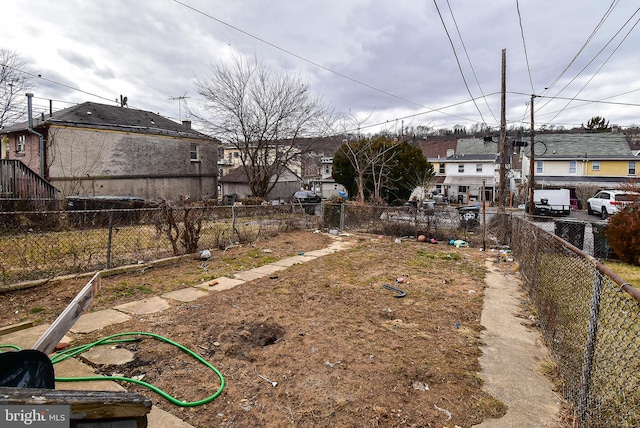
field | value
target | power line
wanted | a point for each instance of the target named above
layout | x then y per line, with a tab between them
605	61
410	116
288	52
458	61
469	60
39	76
524	44
584	45
601	101
596	55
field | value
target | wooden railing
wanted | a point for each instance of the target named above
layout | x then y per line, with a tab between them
18	181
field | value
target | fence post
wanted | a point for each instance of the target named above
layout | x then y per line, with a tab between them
341	217
233	223
589	350
109	239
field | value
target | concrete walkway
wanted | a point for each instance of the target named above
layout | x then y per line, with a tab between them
512	358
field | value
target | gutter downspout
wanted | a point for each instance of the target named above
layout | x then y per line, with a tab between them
40	136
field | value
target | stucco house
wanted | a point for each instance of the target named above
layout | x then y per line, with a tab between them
95	149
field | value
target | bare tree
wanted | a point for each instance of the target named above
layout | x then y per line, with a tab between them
585	191
270	118
380	161
14	83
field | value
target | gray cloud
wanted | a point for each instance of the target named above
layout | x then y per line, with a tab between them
154	50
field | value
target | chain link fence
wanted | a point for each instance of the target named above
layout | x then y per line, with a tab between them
590	319
471	224
46	244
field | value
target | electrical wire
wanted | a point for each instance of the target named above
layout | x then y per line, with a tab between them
458	60
423	113
602	65
596	56
584	45
464	47
38	76
524	45
288	52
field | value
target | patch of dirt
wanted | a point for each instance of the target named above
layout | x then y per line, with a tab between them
343	350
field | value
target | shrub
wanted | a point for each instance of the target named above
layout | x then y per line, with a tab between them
623	234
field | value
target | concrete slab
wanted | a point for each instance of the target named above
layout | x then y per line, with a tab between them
108	355
26	338
268	269
185	295
219	284
249	275
93	321
319	253
74	368
512	356
145	306
159	418
295	260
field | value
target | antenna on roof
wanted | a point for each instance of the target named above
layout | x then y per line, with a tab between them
180	103
123	101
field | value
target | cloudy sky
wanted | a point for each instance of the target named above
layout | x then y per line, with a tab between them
386	63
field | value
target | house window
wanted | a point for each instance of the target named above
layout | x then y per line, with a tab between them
478	167
195	152
441	168
632	167
21	143
462	189
461	167
595	165
573	167
327	169
539	167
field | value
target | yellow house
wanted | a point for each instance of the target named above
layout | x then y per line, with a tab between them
569	160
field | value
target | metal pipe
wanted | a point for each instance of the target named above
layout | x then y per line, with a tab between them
40	136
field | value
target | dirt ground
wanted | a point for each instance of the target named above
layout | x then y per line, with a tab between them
343	349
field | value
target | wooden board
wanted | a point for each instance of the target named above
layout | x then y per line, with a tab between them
84	404
50	338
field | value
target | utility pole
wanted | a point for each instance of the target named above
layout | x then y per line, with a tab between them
503	136
532	168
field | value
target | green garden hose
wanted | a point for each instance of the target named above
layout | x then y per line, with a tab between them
72	352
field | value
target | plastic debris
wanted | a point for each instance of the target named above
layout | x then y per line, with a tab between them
205	254
274	384
460	243
401	293
419	386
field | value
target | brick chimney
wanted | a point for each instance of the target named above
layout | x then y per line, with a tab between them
187	123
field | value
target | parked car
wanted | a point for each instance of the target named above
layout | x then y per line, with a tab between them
306	197
610	202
